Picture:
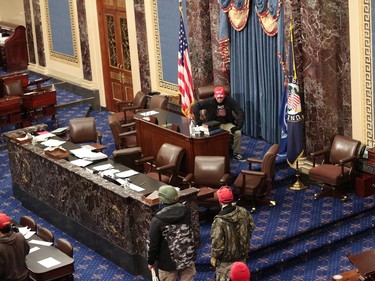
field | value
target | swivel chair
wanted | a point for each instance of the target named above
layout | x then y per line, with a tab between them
255	186
128	108
337	168
83	130
124	135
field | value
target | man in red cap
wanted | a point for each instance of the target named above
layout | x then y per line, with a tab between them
239	272
13	251
223	109
230	234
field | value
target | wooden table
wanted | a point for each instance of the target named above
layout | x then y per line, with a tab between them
39	272
352	275
10	111
39	104
155	130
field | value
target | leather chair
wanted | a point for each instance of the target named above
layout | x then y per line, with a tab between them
45	234
127	109
337	168
64	246
255	186
82	130
158	101
166	166
13	88
124	135
29	222
128	157
209	175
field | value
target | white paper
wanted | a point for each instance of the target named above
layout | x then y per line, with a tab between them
103	167
49	262
126	174
29	234
89	147
33	249
44	137
40	242
109	173
59	130
87	154
52	143
149	113
135	187
23	230
81	162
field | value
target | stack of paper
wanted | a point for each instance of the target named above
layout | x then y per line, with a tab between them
26	232
87	154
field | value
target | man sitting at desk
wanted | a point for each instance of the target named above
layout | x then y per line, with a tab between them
13	251
221	108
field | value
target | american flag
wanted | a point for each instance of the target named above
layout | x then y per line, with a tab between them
185	80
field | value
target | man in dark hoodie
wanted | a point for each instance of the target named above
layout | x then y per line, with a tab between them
230	233
13	251
171	239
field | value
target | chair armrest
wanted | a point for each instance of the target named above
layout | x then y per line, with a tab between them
253	161
99	135
129	108
225	179
128	133
128	125
187	179
315	154
253	173
347	159
165	167
144	160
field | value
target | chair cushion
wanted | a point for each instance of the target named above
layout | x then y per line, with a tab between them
14	88
327	173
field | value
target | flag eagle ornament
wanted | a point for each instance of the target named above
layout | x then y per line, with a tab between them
185	80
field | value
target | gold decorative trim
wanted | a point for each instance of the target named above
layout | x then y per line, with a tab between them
168	87
56	55
367	74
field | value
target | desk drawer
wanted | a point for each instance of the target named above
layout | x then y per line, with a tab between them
365	185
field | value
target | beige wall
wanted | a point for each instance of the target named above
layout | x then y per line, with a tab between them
12	11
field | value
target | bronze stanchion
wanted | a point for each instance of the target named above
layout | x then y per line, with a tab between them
298	185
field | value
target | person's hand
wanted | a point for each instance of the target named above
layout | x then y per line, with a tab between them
213	262
234	129
150	266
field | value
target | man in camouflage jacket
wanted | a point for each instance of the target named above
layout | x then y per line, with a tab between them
230	234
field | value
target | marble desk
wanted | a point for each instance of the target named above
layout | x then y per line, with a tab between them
104	216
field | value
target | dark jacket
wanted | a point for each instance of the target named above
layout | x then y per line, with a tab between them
13	251
210	104
230	233
171	238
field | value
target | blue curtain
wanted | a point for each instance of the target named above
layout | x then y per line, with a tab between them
257	76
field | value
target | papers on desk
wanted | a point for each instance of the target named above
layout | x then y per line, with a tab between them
109	173
103	167
52	143
87	154
149	113
126	174
26	232
81	162
49	262
40	242
30	93
129	185
89	147
59	130
33	249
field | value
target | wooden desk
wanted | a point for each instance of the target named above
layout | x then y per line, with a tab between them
39	272
10	111
352	275
104	216
40	104
151	136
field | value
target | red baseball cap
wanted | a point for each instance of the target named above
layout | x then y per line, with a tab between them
224	194
239	272
219	91
4	221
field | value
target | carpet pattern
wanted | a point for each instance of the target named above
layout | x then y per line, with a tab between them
298	239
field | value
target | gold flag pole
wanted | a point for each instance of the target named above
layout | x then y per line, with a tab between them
298	185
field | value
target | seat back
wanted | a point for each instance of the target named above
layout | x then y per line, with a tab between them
45	234
82	130
64	246
343	147
170	154
140	100
29	222
268	162
115	126
209	170
158	101
13	88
